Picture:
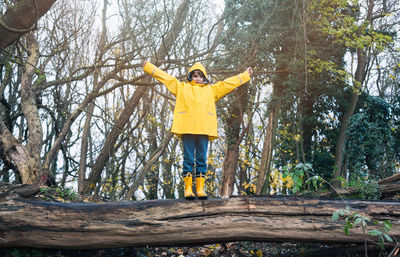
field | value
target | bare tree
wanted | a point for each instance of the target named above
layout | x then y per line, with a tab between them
102	159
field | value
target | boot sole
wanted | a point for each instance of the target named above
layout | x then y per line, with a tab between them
189	198
202	197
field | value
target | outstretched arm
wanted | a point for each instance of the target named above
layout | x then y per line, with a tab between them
222	88
169	81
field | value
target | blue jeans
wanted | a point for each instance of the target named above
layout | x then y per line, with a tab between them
194	146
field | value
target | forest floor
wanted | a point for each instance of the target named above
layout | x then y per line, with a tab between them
237	249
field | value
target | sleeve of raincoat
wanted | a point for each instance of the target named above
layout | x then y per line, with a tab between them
169	81
222	88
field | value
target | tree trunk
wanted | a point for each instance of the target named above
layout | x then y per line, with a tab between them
393	178
234	137
31	112
26	158
278	89
362	59
385	189
168	159
265	167
387	186
341	140
90	108
28	223
153	173
229	169
168	178
307	126
20	19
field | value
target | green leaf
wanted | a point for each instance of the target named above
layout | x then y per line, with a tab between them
357	221
299	166
375	232
285	174
315	184
364	224
387	224
346	230
335	216
387	237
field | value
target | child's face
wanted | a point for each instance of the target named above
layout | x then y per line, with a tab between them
197	76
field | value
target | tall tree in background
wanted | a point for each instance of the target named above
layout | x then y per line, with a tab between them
247	22
25	157
90	108
362	34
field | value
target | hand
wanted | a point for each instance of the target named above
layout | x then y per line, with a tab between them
144	63
249	70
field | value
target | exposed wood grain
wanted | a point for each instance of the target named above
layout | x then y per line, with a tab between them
175	222
391	179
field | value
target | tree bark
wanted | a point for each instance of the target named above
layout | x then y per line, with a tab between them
386	186
229	169
26	158
362	59
28	223
20	19
234	137
31	112
269	142
393	178
152	179
90	108
262	184
342	136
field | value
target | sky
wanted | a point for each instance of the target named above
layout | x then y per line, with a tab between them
113	10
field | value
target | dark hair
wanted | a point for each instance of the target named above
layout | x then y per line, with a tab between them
189	76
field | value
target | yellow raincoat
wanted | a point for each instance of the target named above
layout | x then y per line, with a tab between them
195	111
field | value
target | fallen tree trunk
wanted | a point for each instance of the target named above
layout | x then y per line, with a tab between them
30	223
391	179
389	186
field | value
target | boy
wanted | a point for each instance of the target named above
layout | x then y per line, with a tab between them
195	117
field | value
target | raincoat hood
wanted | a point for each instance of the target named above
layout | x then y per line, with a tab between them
200	67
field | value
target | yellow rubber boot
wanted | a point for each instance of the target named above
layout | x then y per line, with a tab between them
201	194
188	179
